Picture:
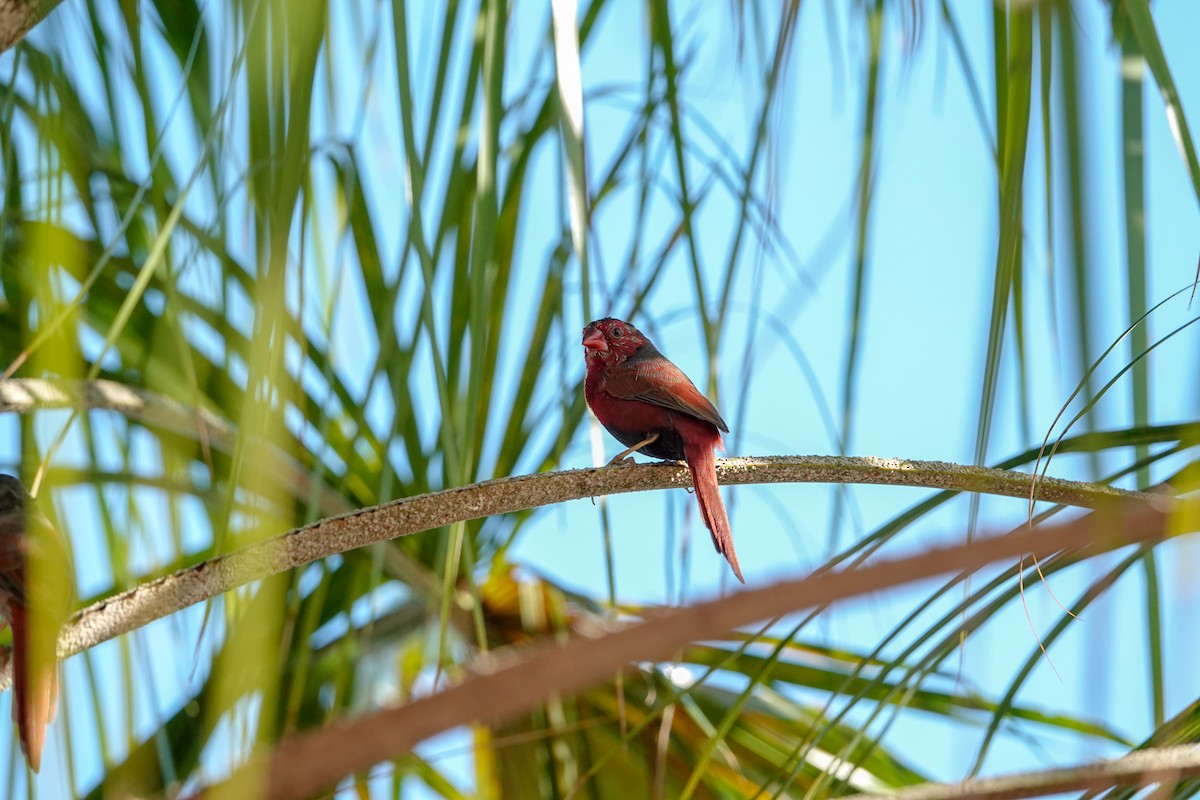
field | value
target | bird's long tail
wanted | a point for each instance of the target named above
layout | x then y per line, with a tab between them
35	688
703	465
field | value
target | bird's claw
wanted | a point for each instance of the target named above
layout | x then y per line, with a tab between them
620	458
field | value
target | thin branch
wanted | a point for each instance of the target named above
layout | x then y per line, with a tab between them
160	413
315	761
1168	765
23	395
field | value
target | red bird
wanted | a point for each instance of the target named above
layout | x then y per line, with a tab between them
648	404
26	535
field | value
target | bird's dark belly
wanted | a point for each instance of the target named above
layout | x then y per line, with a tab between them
668	446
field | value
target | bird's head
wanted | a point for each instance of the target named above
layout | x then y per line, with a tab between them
610	341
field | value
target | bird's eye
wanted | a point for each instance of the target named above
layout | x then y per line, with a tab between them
618	332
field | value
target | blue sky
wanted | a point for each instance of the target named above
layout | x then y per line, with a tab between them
930	266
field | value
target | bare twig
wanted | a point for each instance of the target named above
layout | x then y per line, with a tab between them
160	413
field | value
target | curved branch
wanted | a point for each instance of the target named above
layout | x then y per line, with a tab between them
315	761
17	18
137	607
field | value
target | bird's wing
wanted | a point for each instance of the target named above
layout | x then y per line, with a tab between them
47	546
658	381
12	553
26	534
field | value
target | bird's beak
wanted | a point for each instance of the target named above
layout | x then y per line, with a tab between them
593	339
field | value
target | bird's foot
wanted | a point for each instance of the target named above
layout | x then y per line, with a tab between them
621	458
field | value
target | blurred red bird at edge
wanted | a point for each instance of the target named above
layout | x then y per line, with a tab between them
36	613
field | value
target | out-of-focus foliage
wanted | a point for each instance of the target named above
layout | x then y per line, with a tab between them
344	229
